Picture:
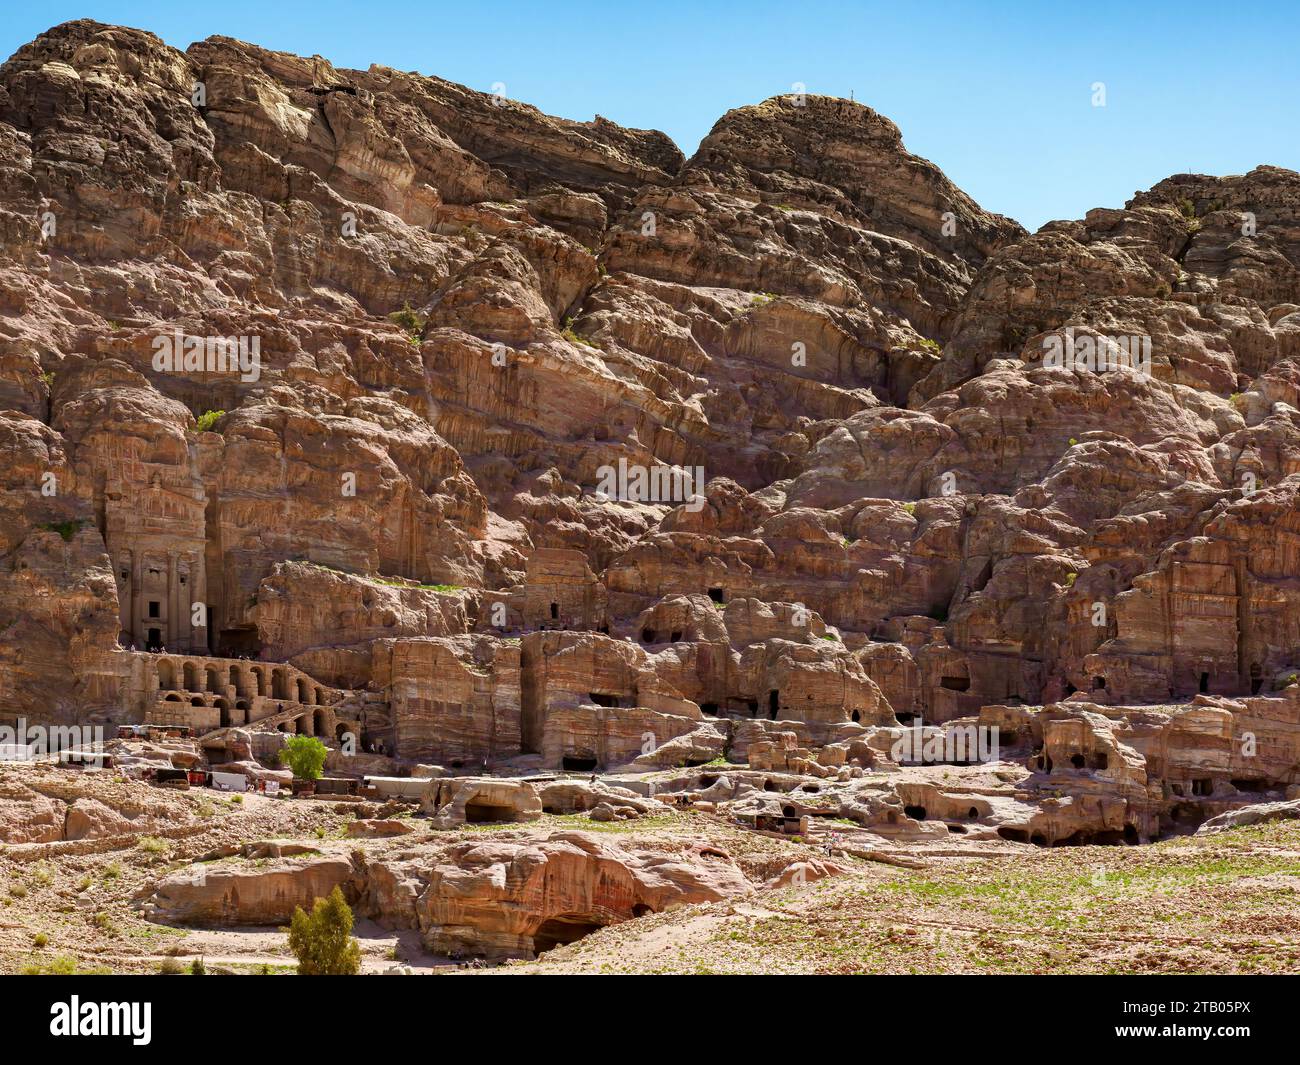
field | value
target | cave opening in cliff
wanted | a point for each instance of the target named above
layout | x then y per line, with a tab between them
1256	678
857	716
916	813
1249	785
564	929
1077	760
955	684
481	813
603	698
578	764
1015	835
773	703
973	814
711	709
1101	760
675	636
1131	836
904	717
555	611
717	595
1099	683
647	635
1205	683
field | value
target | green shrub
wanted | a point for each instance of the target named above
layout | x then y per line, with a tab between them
322	941
305	755
207	420
408	320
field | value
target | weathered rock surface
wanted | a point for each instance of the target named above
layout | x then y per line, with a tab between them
412	525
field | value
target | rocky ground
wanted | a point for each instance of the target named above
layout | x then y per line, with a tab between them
713	548
1222	902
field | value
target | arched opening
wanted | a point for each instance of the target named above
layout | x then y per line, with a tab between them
1098	683
647	635
260	674
1076	760
214	680
973	814
857	716
319	725
559	931
675	637
173	698
710	709
955	684
302	725
304	696
641	909
773	703
916	813
555	611
197	701
341	732
1205	683
279	684
788	811
234	680
579	763
224	708
191	677
166	675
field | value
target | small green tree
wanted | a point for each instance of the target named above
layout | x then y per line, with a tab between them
322	942
305	755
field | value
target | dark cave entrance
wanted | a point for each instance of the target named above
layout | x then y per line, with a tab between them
564	929
154	640
578	763
482	813
773	703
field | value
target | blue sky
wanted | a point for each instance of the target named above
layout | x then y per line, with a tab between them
997	94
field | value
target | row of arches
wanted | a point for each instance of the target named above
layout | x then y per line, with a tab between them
247	680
